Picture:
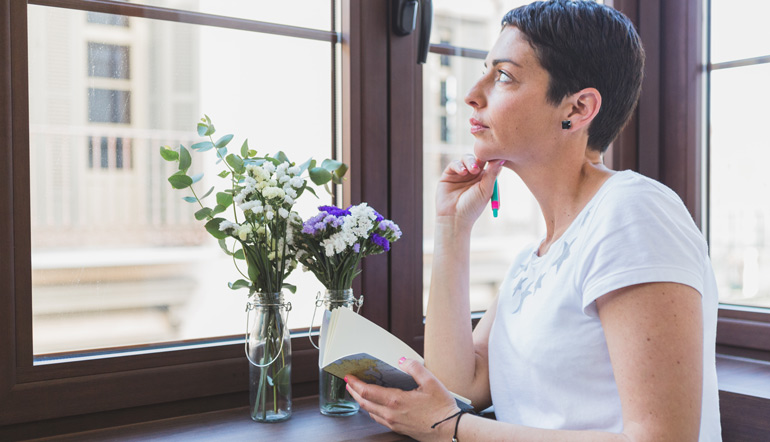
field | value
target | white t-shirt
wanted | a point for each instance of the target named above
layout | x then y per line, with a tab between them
549	365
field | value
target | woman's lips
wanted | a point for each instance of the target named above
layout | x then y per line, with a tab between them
477	126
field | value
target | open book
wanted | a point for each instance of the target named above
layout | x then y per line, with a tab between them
352	344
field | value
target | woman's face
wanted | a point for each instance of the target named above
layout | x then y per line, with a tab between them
512	120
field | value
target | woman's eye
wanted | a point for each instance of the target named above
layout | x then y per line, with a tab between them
503	77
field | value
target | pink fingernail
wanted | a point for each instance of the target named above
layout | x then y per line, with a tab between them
475	166
401	361
346	379
502	163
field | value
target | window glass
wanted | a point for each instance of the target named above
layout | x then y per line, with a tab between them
739	212
117	256
446	137
106	60
739	29
315	14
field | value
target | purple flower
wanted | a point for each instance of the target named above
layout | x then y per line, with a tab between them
308	228
387	224
357	247
334	211
379	217
380	241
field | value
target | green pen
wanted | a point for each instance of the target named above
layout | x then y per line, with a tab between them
495	200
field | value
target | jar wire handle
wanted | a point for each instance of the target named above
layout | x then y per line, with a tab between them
251	306
318	303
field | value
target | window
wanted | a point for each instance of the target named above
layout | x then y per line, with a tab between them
107	19
109	106
739	217
102	253
106	60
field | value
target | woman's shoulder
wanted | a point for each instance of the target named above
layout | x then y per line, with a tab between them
629	192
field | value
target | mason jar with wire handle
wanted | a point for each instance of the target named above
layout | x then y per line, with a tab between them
268	350
333	397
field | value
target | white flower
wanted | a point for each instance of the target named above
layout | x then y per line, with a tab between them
289	191
243	231
297	182
273	192
294	170
269	215
268	167
283	179
226	225
288	200
272	183
283	213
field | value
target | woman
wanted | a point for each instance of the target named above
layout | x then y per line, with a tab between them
604	331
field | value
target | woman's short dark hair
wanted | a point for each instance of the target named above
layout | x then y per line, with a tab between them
584	44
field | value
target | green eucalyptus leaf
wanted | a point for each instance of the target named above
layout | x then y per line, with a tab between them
290	287
222	152
282	380
203	214
239	284
331	165
245	148
202	128
253	272
275	161
168	153
341	170
223	174
185	160
210	129
281	157
190	199
223	245
224	140
239	254
309	164
203	146
179	180
208	193
197	177
224	199
218	209
213	228
319	175
235	162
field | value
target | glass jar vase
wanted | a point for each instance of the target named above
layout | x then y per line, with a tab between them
268	349
333	397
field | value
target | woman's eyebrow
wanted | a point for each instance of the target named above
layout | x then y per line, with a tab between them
497	61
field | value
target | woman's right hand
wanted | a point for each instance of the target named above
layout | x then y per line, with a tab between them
465	188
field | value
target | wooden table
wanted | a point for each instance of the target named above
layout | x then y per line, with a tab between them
307	424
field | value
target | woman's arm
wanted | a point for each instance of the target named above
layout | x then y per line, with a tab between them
654	335
455	354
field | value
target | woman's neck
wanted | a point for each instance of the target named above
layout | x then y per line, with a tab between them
563	189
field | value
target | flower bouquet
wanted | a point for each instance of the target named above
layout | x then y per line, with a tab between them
260	198
331	245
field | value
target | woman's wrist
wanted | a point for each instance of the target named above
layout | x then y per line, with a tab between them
452	226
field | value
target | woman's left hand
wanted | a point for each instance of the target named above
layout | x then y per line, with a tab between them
409	412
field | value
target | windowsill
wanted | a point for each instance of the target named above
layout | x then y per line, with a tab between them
744	386
306	424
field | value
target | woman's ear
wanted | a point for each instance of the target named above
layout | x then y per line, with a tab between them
582	107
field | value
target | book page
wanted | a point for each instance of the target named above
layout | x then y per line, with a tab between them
349	333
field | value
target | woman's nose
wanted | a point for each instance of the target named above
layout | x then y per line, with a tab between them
475	96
